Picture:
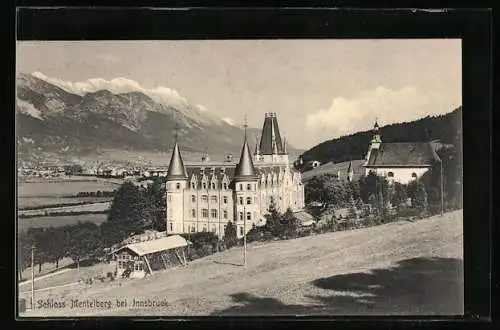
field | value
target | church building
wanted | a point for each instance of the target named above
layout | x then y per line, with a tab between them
399	162
206	197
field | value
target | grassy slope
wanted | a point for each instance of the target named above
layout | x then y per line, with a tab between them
332	168
398	268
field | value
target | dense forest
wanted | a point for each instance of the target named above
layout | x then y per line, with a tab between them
447	128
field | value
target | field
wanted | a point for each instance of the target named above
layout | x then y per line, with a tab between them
58	221
397	268
94	207
62	188
334	168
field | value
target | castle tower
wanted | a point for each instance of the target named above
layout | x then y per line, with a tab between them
177	180
271	148
375	142
247	209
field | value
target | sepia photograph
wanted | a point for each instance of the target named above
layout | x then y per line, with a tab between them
239	177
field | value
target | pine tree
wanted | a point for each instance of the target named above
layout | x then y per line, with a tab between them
273	220
129	213
230	237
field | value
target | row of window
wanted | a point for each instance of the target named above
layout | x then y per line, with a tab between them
213	185
213	213
124	264
213	199
192	228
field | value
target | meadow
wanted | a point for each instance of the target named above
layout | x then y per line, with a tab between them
58	221
62	188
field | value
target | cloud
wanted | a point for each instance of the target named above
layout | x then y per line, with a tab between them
118	85
350	115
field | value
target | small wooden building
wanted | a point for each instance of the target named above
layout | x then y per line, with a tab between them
137	260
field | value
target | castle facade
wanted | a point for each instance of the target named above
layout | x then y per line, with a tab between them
206	197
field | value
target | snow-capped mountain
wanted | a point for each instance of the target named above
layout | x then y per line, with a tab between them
82	118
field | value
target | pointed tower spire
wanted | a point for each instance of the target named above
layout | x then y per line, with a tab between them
176	169
284	146
245	170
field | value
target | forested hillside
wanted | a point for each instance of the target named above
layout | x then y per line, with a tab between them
447	128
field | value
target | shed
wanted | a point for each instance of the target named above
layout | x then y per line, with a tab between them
142	258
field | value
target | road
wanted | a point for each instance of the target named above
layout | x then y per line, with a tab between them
393	269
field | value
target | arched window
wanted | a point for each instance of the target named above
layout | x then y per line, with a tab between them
414	175
225	214
193	185
249	216
193	213
249	186
204	185
390	174
178	185
249	200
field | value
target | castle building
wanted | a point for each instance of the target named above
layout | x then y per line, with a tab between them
400	162
205	197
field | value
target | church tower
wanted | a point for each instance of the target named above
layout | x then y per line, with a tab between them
176	184
375	142
245	191
271	149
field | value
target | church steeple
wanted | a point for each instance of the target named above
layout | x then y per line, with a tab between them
245	169
176	169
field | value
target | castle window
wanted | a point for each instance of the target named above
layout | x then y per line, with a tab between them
204	185
171	226
249	200
193	185
241	215
224	186
241	231
193	198
249	186
213	213
249	216
193	213
204	198
204	213
177	185
390	174
225	214
414	175
224	199
193	228
241	186
213	199
213	185
241	200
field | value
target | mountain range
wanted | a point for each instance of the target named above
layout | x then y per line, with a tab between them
52	123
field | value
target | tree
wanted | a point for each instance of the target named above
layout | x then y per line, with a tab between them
127	214
85	238
398	195
230	237
39	240
273	220
56	248
290	224
23	252
156	197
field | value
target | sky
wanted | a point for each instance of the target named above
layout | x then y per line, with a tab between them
319	89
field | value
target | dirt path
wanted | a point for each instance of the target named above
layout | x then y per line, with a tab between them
398	268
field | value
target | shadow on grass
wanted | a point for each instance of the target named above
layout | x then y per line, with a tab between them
419	286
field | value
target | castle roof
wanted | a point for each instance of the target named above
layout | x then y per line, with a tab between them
245	169
176	169
271	135
407	154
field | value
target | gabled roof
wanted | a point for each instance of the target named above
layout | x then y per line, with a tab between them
156	245
407	154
